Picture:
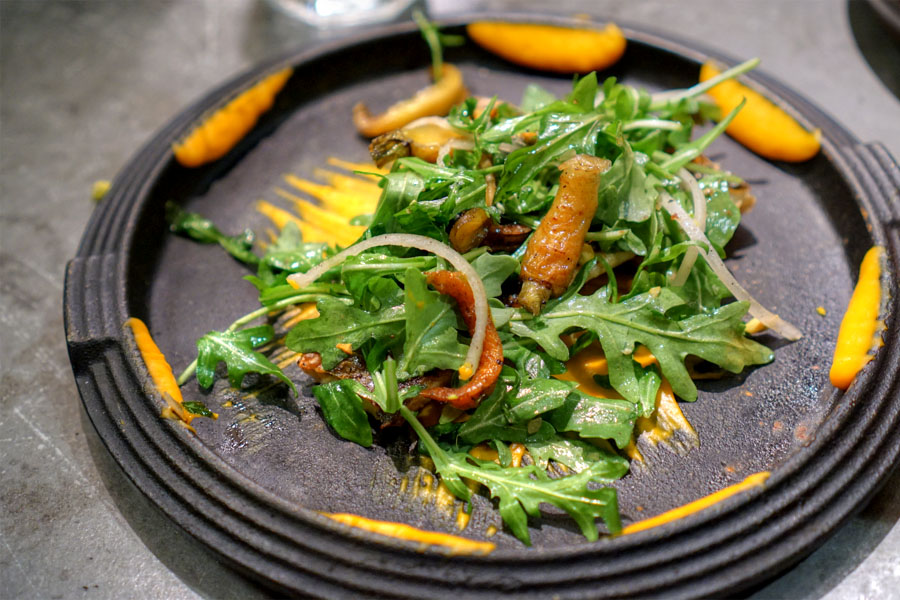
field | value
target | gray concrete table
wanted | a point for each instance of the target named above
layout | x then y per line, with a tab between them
84	84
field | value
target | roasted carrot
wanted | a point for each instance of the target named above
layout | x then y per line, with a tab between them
454	284
436	99
552	255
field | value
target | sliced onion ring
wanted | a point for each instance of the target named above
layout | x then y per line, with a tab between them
455	144
770	319
699	201
427	244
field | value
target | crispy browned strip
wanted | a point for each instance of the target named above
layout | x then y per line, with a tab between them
454	284
551	259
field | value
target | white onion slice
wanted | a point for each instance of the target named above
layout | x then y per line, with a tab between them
454	144
699	201
408	240
770	319
436	121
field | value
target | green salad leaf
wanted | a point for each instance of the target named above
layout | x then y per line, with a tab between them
521	490
717	337
236	350
431	337
204	231
343	410
339	323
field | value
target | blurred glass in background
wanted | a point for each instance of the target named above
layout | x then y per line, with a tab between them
341	13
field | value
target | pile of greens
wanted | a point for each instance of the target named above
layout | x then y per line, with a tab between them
380	304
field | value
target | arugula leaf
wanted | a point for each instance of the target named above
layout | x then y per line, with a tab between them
204	231
236	350
431	337
530	362
197	408
722	219
584	92
538	396
290	253
535	98
561	133
400	188
343	411
490	421
386	391
717	336
521	490
594	417
626	192
574	454
648	386
341	324
369	280
494	269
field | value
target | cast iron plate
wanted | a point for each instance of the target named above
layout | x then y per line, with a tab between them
248	485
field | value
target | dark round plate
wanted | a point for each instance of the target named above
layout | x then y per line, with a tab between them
249	484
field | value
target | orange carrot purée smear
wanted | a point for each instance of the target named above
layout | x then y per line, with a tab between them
549	47
454	544
761	126
218	133
453	283
160	372
860	332
697	505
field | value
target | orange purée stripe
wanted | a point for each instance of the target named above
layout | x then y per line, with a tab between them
220	131
455	544
697	505
859	337
159	369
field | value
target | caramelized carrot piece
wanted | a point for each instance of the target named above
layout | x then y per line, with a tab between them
436	99
552	256
454	284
